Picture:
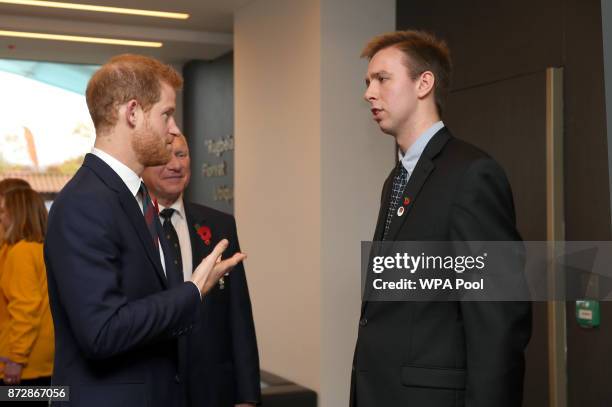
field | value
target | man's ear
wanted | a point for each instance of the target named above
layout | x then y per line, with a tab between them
132	110
426	84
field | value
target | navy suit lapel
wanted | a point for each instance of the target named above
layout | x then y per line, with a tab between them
130	206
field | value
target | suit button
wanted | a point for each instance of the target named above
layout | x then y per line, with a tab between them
177	378
363	321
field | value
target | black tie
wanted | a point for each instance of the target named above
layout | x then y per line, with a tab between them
175	276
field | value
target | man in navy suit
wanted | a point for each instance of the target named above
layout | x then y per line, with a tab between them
117	306
221	352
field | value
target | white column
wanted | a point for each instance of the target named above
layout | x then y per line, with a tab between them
355	160
277	179
310	164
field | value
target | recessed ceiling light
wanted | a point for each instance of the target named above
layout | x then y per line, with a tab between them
103	9
76	38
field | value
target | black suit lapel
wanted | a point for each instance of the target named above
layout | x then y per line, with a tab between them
420	174
130	206
425	166
384	207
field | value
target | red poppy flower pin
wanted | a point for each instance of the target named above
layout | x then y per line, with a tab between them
204	233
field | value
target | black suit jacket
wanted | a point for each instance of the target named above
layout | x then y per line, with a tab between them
445	354
222	348
116	322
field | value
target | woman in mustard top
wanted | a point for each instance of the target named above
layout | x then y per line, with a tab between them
26	337
6	185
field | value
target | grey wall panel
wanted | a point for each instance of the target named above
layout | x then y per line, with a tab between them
587	193
491	40
208	104
507	120
586	161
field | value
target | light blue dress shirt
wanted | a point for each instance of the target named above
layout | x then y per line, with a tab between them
411	158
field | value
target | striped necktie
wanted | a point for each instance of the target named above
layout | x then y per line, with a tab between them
150	213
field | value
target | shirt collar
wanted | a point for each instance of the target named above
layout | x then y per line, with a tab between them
129	177
178	207
410	159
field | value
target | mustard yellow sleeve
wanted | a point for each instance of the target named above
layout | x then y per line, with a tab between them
22	286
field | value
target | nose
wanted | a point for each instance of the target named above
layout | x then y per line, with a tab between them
173	128
173	164
370	93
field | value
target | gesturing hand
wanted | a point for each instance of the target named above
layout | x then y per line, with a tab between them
211	269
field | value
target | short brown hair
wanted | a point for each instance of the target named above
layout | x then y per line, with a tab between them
12	183
423	52
123	78
28	216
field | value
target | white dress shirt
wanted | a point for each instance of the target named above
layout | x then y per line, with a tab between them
132	181
179	221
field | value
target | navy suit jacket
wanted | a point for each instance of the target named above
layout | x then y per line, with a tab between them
222	348
116	322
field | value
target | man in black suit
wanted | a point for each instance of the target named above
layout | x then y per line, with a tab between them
118	307
435	354
221	356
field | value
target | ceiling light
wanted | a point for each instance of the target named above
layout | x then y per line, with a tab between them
75	38
103	9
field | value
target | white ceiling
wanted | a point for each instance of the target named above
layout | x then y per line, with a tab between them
207	34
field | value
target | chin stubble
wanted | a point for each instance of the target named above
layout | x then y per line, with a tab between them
150	149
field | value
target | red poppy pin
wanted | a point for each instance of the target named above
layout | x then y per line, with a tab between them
204	233
406	201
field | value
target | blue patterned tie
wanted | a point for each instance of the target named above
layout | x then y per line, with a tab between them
399	183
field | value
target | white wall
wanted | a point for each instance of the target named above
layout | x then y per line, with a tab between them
277	172
355	159
310	164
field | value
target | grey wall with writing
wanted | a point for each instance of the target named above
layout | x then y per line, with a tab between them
208	105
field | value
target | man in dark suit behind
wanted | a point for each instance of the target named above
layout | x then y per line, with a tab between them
117	307
222	362
435	354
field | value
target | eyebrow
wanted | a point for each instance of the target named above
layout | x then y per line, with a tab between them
376	74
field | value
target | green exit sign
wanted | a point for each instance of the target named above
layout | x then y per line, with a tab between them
588	314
